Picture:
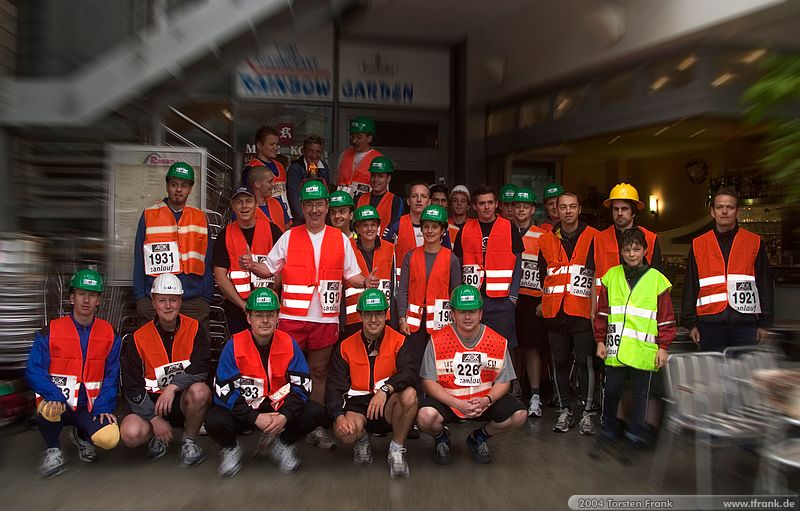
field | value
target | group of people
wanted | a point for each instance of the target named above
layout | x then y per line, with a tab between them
349	314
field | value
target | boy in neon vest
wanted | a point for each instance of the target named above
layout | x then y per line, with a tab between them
69	390
371	385
466	374
164	372
263	383
633	328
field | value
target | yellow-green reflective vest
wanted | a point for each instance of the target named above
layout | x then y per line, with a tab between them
632	323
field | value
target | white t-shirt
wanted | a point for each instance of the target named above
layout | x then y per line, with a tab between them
277	258
418	235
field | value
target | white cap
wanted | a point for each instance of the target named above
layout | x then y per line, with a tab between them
167	284
460	189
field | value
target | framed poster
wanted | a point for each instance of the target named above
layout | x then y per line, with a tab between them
135	182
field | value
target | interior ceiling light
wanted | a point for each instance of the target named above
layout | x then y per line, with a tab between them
754	55
227	114
662	130
697	133
659	83
722	79
563	103
613	140
687	63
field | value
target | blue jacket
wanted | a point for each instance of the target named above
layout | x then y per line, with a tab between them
193	285
38	372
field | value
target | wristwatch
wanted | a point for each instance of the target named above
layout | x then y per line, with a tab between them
385	388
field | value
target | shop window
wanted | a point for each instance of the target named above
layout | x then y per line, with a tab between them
411	134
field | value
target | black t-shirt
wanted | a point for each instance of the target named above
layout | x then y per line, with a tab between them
220	255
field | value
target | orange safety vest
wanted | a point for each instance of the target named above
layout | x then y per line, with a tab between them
301	277
567	280
714	275
279	182
190	233
406	241
423	293
606	251
529	284
254	377
384	208
454	361
66	359
236	244
382	261
365	380
497	264
452	231
160	368
276	214
359	175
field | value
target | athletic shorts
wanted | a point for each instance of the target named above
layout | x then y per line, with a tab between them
531	332
501	410
310	336
359	404
176	418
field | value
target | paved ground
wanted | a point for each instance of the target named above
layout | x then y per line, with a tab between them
533	468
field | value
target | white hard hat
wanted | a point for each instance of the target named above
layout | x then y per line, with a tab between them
167	284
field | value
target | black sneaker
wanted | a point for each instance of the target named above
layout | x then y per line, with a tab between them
479	449
441	449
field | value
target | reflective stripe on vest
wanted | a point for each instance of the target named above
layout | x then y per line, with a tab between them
153	353
384	208
273	379
236	245
190	233
300	275
558	286
382	265
424	291
497	262
530	256
364	379
606	251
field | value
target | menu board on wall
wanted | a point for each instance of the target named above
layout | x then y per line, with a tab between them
394	75
135	182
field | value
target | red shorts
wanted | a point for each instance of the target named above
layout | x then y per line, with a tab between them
311	336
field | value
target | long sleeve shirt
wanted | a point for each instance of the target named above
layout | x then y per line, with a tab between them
338	382
133	385
227	393
764	283
193	285
38	371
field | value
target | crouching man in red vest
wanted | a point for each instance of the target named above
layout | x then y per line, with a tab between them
371	385
262	382
164	372
73	369
467	374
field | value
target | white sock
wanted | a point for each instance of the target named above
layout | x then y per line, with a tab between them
394	446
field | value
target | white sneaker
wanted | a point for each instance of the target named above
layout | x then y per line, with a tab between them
157	448
321	439
362	453
191	454
86	451
231	461
285	456
535	406
397	463
52	463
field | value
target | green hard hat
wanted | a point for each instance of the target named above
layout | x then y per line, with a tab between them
466	298
263	299
434	213
552	190
525	195
372	300
340	199
313	189
362	124
507	193
87	279
181	170
366	213
381	165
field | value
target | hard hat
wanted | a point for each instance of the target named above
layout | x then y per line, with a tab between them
366	213
87	279
362	124
263	299
47	413
624	191
313	189
466	298
372	300
525	195
167	284
181	170
552	191
381	165
340	199
434	213
507	192
106	437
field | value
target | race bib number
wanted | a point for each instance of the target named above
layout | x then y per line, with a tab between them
581	281
613	336
441	314
360	188
530	274
472	274
743	296
68	385
166	373
467	368
162	258
330	294
252	390
385	285
257	281
279	190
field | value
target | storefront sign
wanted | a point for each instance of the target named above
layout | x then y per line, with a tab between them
394	75
285	133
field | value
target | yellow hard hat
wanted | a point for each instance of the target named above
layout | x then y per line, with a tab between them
624	191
